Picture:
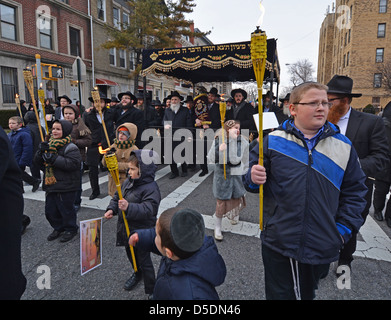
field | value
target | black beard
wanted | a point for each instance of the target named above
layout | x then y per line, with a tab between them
127	106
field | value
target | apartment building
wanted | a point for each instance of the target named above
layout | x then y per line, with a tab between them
355	40
60	31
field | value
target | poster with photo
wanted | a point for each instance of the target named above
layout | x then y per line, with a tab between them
90	244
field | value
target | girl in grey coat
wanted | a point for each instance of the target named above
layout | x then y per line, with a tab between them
229	192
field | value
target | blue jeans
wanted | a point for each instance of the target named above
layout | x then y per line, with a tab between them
60	212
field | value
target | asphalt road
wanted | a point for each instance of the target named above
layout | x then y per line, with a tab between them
59	263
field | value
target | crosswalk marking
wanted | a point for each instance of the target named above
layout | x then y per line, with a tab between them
376	244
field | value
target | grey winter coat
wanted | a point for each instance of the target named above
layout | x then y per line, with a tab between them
237	155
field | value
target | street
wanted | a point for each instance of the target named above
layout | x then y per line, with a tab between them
59	263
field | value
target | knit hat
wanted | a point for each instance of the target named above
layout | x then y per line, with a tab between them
125	131
187	230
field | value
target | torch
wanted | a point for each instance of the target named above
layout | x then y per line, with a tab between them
28	78
17	101
96	97
223	110
41	96
258	57
112	166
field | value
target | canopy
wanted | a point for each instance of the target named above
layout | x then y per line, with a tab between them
212	63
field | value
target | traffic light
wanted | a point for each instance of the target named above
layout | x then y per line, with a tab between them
56	72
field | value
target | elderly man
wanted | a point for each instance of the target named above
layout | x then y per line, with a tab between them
368	136
175	117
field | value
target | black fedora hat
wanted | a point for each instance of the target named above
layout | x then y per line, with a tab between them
342	85
127	93
213	90
235	91
176	94
288	95
64	97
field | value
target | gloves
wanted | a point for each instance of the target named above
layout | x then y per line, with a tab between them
43	146
49	157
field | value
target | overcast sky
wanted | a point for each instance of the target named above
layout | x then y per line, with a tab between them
295	25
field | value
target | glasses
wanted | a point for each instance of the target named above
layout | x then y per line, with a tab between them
315	104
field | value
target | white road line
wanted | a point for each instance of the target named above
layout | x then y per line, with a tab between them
376	244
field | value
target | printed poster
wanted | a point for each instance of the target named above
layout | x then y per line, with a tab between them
90	244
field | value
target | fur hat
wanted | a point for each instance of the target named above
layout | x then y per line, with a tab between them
187	230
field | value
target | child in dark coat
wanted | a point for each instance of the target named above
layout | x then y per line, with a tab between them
191	266
141	199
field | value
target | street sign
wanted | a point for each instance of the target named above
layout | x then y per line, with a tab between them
56	72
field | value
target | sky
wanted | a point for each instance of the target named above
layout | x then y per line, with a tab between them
295	25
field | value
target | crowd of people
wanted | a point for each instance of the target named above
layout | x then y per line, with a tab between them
318	172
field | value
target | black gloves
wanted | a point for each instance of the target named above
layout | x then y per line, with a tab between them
43	146
49	157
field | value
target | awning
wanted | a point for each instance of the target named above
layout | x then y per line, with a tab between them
105	82
213	63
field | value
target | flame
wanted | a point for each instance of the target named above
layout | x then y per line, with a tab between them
40	85
103	151
222	97
260	21
16	95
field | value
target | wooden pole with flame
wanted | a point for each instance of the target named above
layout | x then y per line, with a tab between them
258	57
28	78
41	96
223	110
17	101
112	166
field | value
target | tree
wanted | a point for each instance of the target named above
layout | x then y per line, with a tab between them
153	24
301	71
385	70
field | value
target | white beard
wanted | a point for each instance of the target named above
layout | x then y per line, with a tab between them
175	107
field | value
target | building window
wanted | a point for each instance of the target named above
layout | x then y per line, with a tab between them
131	61
112	56
381	30
65	1
125	20
8	22
116	21
9	84
379	54
74	42
101	5
377	80
122	58
383	6
46	35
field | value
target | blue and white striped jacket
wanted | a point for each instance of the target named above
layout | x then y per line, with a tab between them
312	196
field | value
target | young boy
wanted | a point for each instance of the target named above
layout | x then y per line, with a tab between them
315	185
191	266
141	199
22	144
61	160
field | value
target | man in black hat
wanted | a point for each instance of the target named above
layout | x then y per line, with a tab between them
63	101
214	109
368	135
175	117
242	111
128	113
149	113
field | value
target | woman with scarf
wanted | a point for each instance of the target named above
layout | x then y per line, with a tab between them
61	160
81	137
123	145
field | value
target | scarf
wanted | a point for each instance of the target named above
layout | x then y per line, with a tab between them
54	145
124	144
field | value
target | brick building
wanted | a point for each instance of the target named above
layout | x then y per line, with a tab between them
354	41
60	31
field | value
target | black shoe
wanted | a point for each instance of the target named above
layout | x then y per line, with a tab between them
36	185
94	195
54	235
68	235
184	174
378	215
203	173
132	281
25	222
173	175
388	220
